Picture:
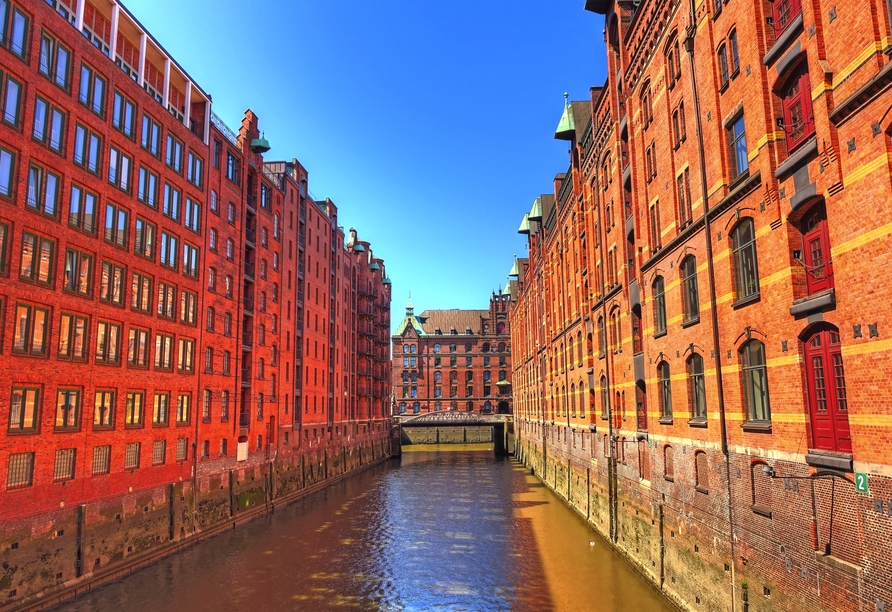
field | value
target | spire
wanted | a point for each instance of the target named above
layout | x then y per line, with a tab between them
566	129
409	308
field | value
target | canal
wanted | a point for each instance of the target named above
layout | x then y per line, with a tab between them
444	528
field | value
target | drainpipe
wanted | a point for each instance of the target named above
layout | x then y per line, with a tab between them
713	308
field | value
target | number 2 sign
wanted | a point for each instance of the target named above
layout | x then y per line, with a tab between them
861	482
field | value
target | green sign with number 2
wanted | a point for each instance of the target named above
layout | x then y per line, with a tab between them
861	482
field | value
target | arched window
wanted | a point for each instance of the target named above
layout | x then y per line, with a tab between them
668	463
673	61
261	335
665	392
724	74
211	316
659	301
469	376
214	205
260	368
485	348
438	377
227	324
416	408
412	348
405	376
453	377
579	348
754	378
646	105
573	399
402	407
605	398
696	387
501	348
212	279
637	344
746	269
228	286
641	405
816	250
701	468
827	397
503	375
690	296
452	348
224	406
469	348
405	348
436	348
643	460
615	331
734	57
487	376
487	407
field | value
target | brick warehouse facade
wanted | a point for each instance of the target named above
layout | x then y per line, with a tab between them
187	336
453	360
698	338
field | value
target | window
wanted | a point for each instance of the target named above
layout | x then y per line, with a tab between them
230	249
685	203
188	302
133	409
816	249
131	456
266	197
737	148
232	167
160	409
665	383
602	337
754	375
264	237
227	285
218	152
54	61
224	406
38	259
227	324
163	352
138	348
73	336
147	189
724	74
23	407
111	284
212	279
174	155
655	232
171	207
117	220
7	170
206	406
668	463
123	115
186	356
20	473
151	135
184	405
701	471
194	169
144	239
799	120
119	166
169	249
13	32
101	460
87	149
31	330
226	362
159	451
167	296
230	213
92	90
182	449
108	339
12	101
696	387
78	273
192	218
783	14
746	270
215	205
646	109
209	360
637	343
49	125
68	409
43	191
104	409
190	260
690	297
734	57
679	128
673	62
827	397
82	210
4	246
650	159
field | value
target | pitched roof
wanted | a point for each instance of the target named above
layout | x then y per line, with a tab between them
447	320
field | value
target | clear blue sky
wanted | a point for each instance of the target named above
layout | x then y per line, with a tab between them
429	124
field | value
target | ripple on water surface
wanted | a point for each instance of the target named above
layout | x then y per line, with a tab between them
443	529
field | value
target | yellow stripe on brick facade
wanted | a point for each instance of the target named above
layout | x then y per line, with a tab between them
861	240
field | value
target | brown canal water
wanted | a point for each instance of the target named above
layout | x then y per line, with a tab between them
444	528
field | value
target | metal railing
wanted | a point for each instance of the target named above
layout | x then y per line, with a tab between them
224	129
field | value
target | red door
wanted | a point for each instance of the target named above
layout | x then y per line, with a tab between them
816	243
827	392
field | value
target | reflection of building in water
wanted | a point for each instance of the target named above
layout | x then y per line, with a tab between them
453	360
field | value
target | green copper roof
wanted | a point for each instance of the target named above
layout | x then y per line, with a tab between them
386	281
515	269
358	248
260	145
502	383
374	266
566	129
536	210
524	225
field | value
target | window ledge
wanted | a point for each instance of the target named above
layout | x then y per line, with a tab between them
826	300
780	44
762	510
666	420
669	478
701	489
698	422
660	334
838	563
690	322
746	301
757	426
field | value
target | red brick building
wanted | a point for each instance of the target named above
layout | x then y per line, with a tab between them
698	339
458	360
179	318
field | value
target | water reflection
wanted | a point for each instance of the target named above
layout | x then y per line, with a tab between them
450	529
